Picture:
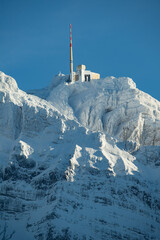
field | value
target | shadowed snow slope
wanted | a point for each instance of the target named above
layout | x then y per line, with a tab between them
66	167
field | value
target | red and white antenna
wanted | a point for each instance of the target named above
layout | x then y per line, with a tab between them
71	57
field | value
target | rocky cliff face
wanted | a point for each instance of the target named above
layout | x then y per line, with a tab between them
81	163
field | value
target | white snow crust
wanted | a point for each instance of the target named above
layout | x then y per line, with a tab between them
79	161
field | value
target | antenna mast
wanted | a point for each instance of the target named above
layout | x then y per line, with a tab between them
71	57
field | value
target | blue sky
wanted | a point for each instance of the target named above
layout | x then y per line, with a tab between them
111	37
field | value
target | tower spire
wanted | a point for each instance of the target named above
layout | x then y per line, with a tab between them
71	57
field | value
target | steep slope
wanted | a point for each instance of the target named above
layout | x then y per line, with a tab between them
112	105
60	180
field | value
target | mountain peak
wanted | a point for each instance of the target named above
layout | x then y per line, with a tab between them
7	82
84	152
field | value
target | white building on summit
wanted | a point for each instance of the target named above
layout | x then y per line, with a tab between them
84	75
81	73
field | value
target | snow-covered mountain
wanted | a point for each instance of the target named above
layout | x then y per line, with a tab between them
79	161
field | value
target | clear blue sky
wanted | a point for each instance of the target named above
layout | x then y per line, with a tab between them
112	37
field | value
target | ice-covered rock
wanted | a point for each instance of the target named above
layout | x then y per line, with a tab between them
66	168
112	105
7	83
